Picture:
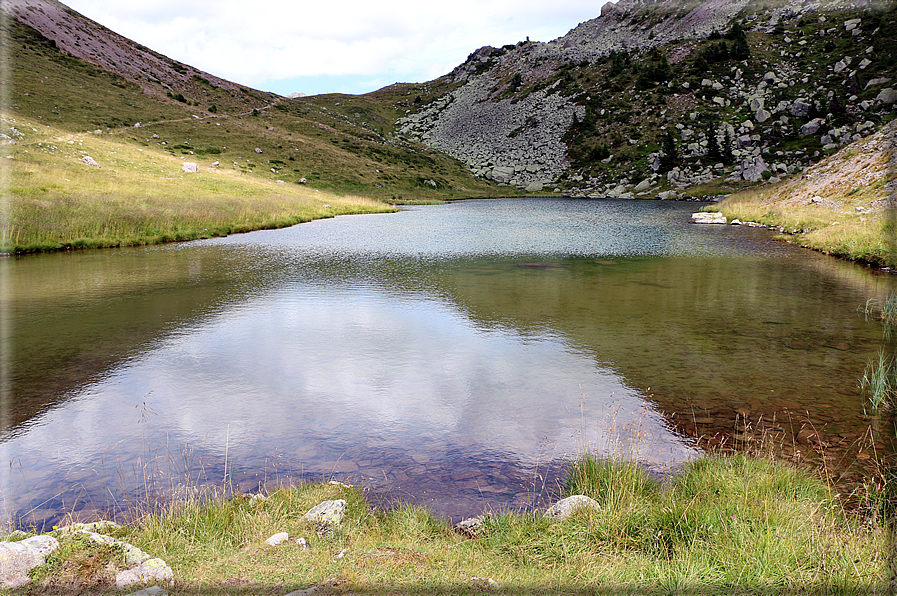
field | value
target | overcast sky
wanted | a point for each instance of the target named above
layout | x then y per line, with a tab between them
349	46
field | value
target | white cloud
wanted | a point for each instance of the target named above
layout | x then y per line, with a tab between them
259	44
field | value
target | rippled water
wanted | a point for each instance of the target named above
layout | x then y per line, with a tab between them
449	355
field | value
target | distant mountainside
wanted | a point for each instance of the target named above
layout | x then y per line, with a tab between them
667	98
656	98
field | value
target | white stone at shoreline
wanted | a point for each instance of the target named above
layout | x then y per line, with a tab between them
705	217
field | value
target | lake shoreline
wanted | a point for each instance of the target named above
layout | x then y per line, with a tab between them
723	523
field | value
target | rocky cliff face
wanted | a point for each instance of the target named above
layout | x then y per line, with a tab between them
587	112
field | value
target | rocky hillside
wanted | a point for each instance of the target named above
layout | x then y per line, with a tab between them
669	98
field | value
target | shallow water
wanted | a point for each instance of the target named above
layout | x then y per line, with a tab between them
449	355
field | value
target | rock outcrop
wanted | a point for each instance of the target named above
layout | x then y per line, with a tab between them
18	558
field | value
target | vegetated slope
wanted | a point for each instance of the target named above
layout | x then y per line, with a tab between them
70	70
659	98
843	205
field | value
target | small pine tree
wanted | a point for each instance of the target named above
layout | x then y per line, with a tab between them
740	49
669	158
714	153
727	156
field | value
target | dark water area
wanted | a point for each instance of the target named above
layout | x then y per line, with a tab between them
454	356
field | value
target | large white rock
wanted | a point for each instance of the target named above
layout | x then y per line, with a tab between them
888	95
190	167
18	558
534	187
643	185
706	217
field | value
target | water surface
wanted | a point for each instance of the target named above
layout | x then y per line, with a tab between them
450	355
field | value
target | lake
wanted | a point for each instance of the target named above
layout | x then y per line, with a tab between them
454	356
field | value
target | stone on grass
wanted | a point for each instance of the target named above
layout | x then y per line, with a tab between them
565	508
534	187
471	527
752	168
486	583
190	167
151	591
305	592
643	185
810	128
800	108
277	539
888	95
18	558
152	570
90	161
327	515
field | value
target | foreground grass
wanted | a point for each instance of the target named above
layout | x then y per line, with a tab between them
138	196
724	524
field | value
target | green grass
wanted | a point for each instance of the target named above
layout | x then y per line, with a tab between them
139	196
68	108
722	524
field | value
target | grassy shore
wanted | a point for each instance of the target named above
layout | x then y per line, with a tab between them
138	196
722	525
845	205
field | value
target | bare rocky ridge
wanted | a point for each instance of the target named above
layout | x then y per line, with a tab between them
515	144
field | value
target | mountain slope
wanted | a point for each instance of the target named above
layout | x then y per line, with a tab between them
744	91
70	70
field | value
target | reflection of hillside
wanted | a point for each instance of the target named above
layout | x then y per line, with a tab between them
698	335
73	316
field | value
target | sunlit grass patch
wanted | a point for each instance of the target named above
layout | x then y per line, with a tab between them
140	196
